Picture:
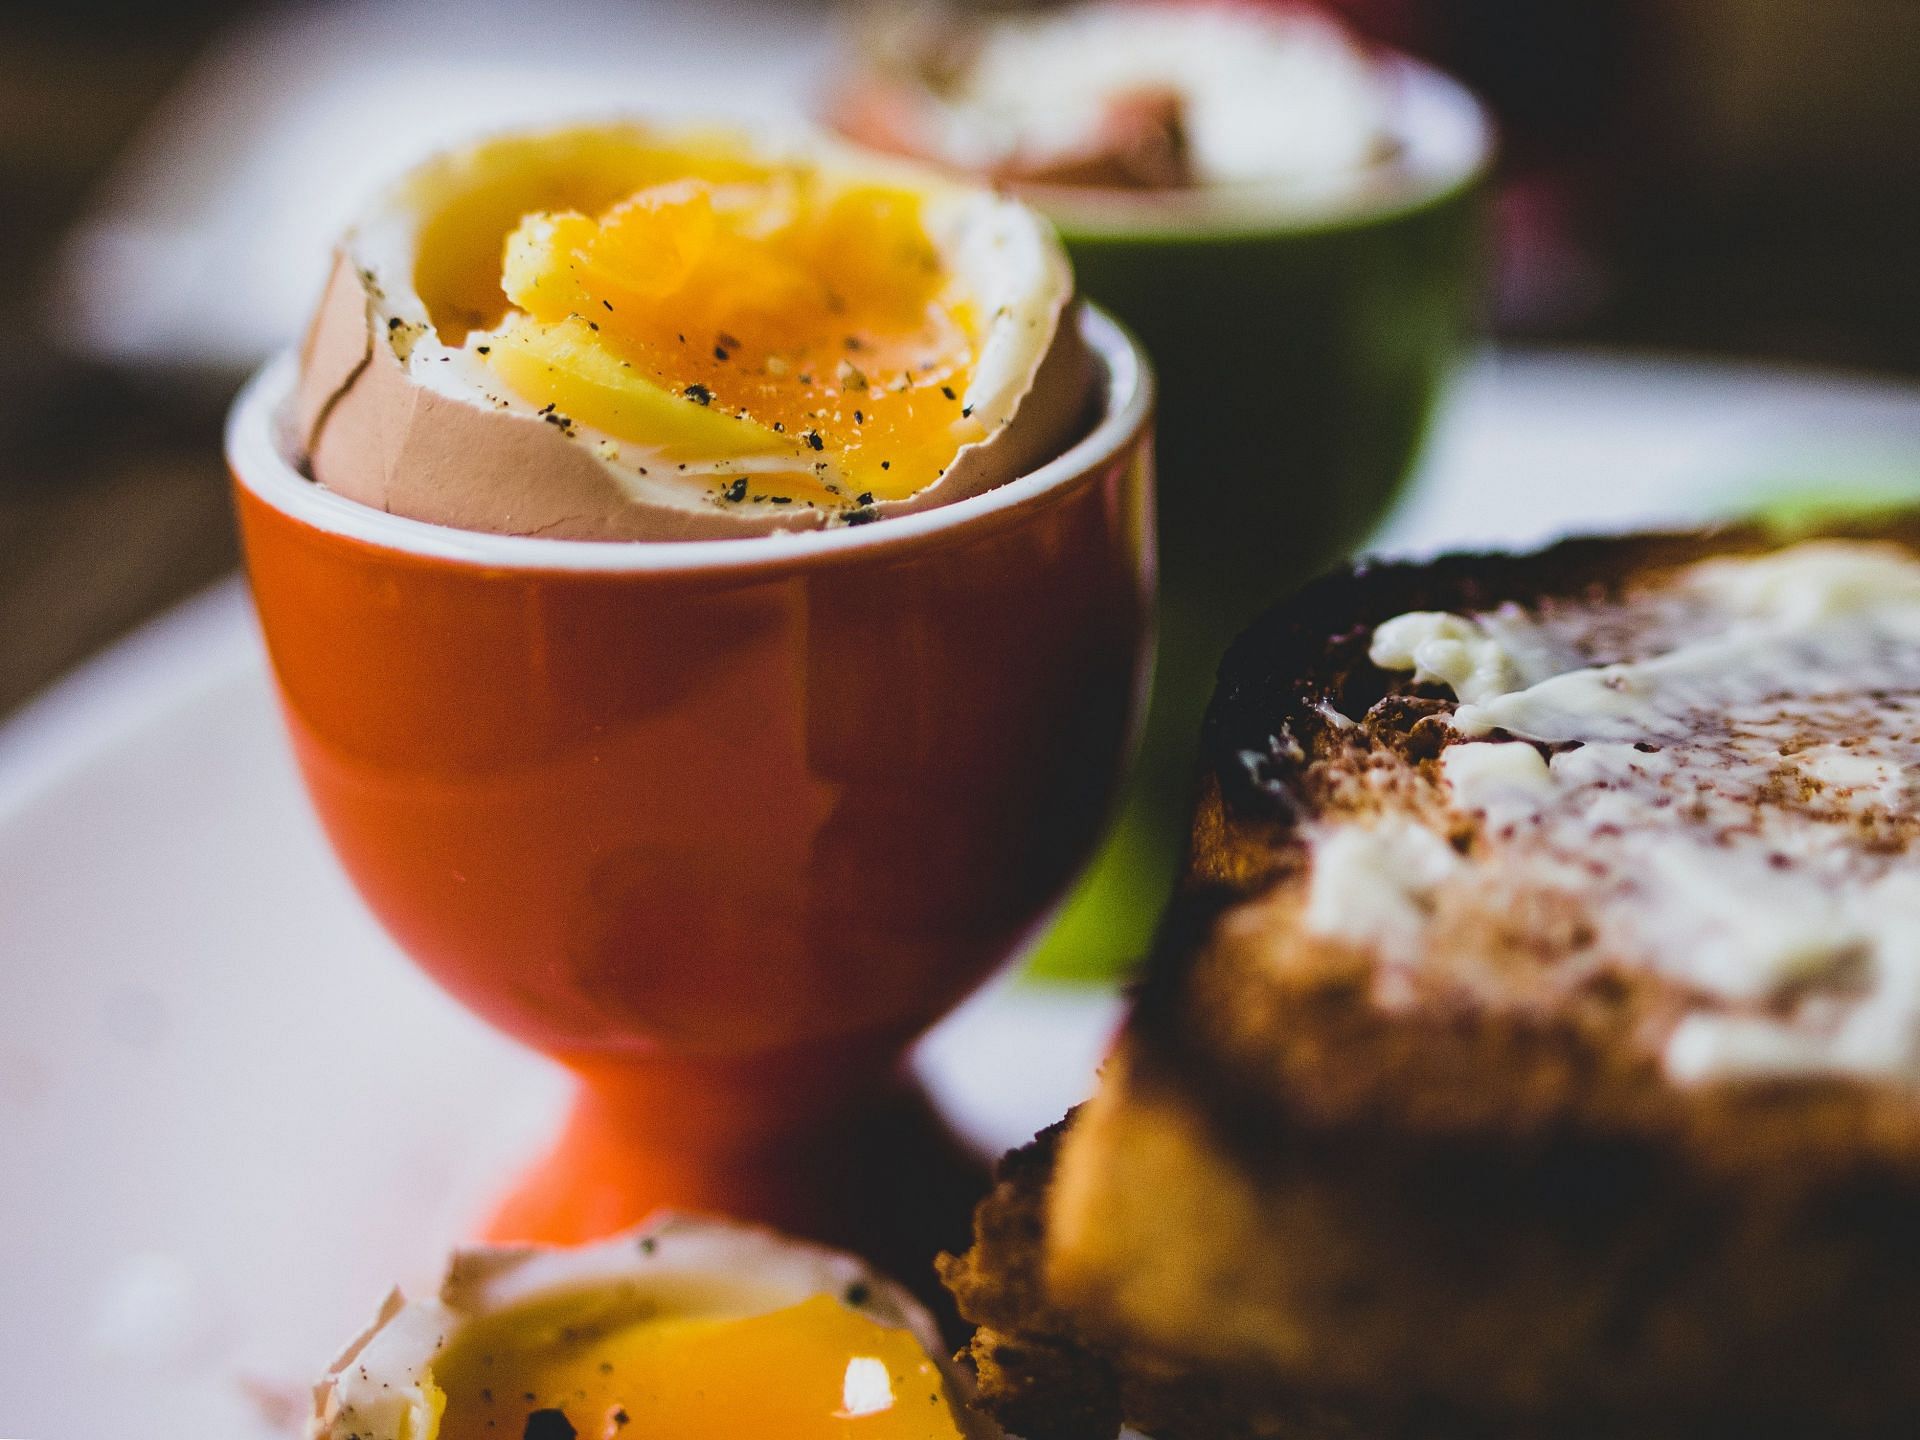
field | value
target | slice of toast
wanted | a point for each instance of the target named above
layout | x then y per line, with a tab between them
1533	1047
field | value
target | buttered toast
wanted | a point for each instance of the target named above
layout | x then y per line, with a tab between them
1534	1045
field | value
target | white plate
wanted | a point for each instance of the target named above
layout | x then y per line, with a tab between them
231	1115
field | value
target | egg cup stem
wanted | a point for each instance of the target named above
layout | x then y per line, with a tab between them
850	1153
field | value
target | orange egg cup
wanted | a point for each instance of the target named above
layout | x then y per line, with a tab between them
721	826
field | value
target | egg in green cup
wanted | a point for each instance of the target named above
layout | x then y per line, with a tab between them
1292	225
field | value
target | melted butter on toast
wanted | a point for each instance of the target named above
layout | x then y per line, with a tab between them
1732	804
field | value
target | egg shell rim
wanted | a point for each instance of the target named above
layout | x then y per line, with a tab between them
257	452
372	431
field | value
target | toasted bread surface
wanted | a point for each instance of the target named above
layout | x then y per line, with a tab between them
1469	1188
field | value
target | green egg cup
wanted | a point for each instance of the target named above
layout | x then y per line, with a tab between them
1299	364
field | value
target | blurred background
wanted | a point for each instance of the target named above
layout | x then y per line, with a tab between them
1734	178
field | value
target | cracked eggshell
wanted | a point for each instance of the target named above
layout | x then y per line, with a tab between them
1051	414
389	415
381	1386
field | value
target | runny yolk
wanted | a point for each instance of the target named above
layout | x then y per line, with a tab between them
805	331
818	1370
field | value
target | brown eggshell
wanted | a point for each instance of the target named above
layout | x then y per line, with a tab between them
1050	418
338	344
371	432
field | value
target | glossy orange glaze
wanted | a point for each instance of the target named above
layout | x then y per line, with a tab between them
723	839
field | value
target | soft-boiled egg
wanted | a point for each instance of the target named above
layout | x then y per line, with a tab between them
627	332
685	1329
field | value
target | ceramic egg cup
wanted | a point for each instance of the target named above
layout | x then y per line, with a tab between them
721	826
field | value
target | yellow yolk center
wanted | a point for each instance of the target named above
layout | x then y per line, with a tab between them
785	337
818	1370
